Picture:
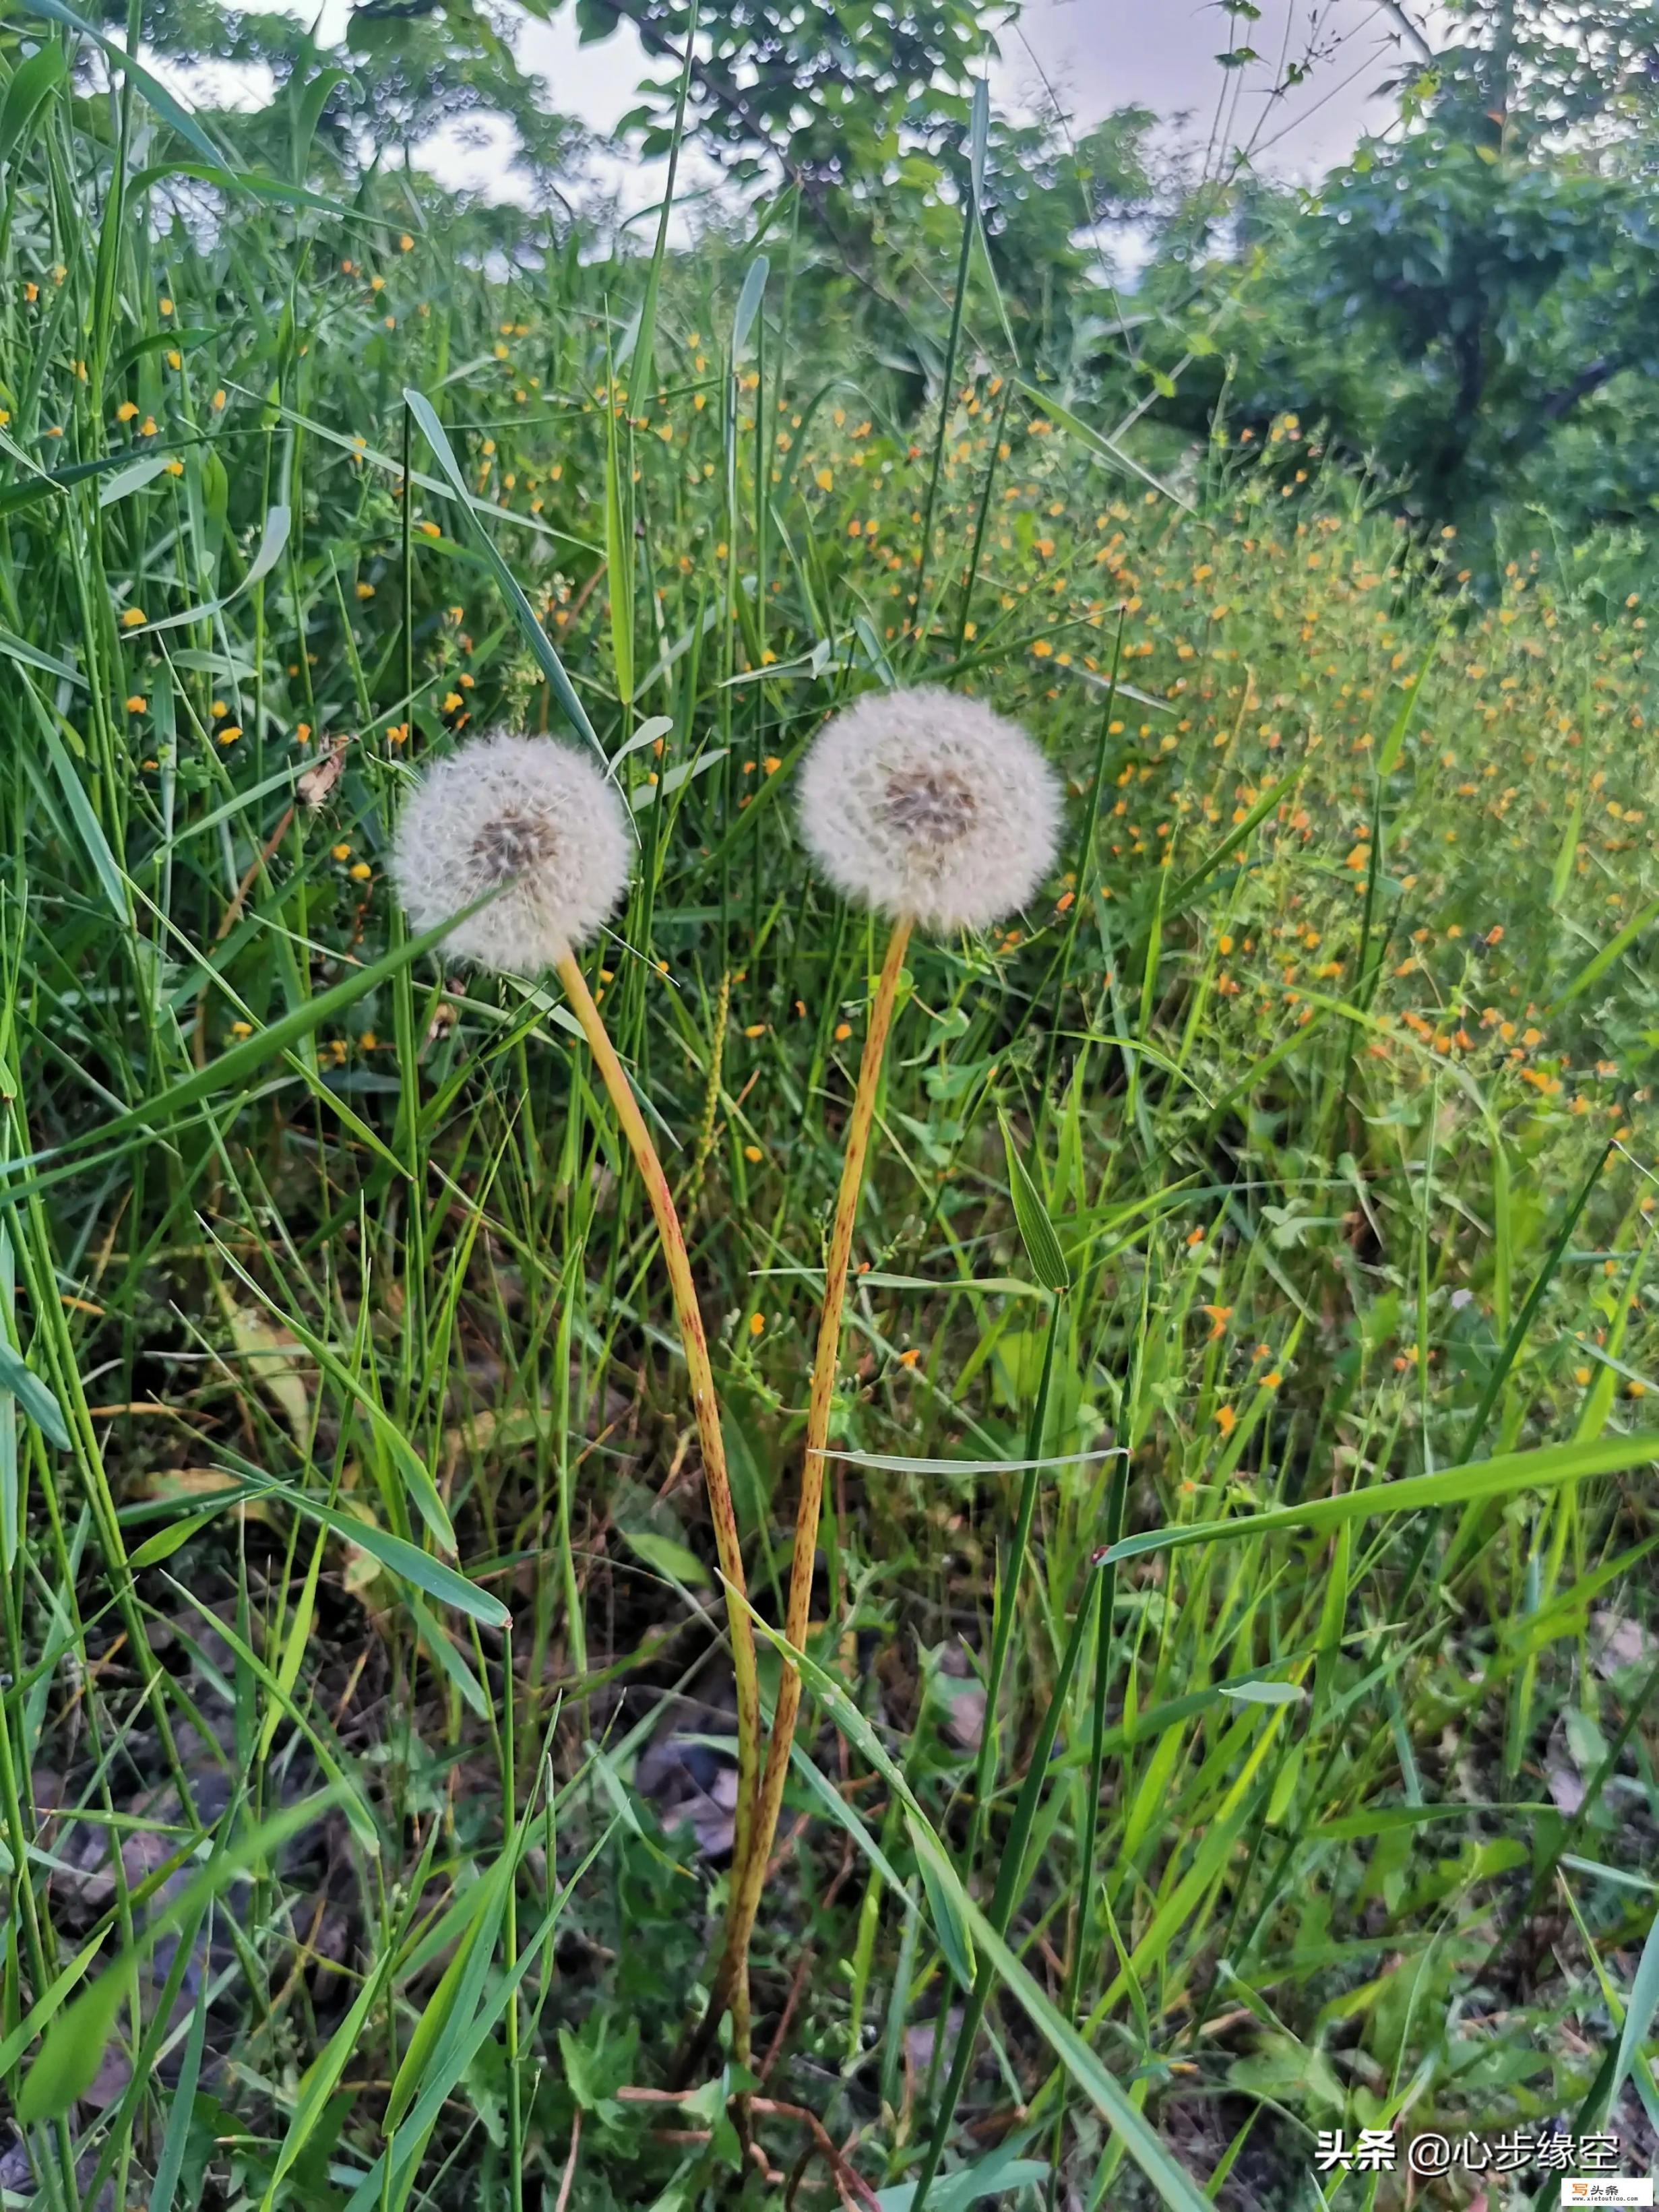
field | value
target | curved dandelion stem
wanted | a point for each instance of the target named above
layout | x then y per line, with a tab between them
751	1876
706	1410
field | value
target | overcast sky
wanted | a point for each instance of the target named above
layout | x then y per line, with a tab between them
1097	55
1091	55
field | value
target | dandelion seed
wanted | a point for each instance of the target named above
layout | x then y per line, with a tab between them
525	816
919	802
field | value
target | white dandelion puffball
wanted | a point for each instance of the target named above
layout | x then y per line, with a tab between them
924	803
529	818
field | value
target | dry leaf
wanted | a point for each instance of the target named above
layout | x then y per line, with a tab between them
361	1574
964	1716
186	1482
317	782
278	1363
1617	1641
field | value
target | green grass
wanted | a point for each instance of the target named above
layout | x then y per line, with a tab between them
328	1879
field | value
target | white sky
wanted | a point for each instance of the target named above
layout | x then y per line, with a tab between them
1094	55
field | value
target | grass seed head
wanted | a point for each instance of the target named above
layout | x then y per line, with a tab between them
922	802
527	813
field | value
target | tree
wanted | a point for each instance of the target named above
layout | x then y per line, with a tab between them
826	94
407	67
1453	302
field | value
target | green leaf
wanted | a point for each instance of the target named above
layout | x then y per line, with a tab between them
22	1382
33	83
954	1941
1388	759
44	2008
416	1476
439	1648
671	1560
1543	1469
457	1983
897	1464
407	1561
749	300
154	90
1264	1693
132	478
272	541
1173	2184
234	1066
619	557
45	482
1100	444
355	1808
1240	833
1639	2009
1036	1230
87	827
17	649
307	111
67	2060
998	2173
322	2076
979	133
169	1539
1615	949
273	190
551	666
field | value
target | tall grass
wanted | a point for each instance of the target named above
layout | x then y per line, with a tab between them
353	1543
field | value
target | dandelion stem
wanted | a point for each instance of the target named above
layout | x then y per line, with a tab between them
750	1874
706	1410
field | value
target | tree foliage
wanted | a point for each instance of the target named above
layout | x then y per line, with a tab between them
403	72
1471	304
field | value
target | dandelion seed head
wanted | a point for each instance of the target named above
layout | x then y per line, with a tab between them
922	802
531	819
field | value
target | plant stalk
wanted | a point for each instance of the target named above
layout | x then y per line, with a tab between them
706	1408
749	1873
